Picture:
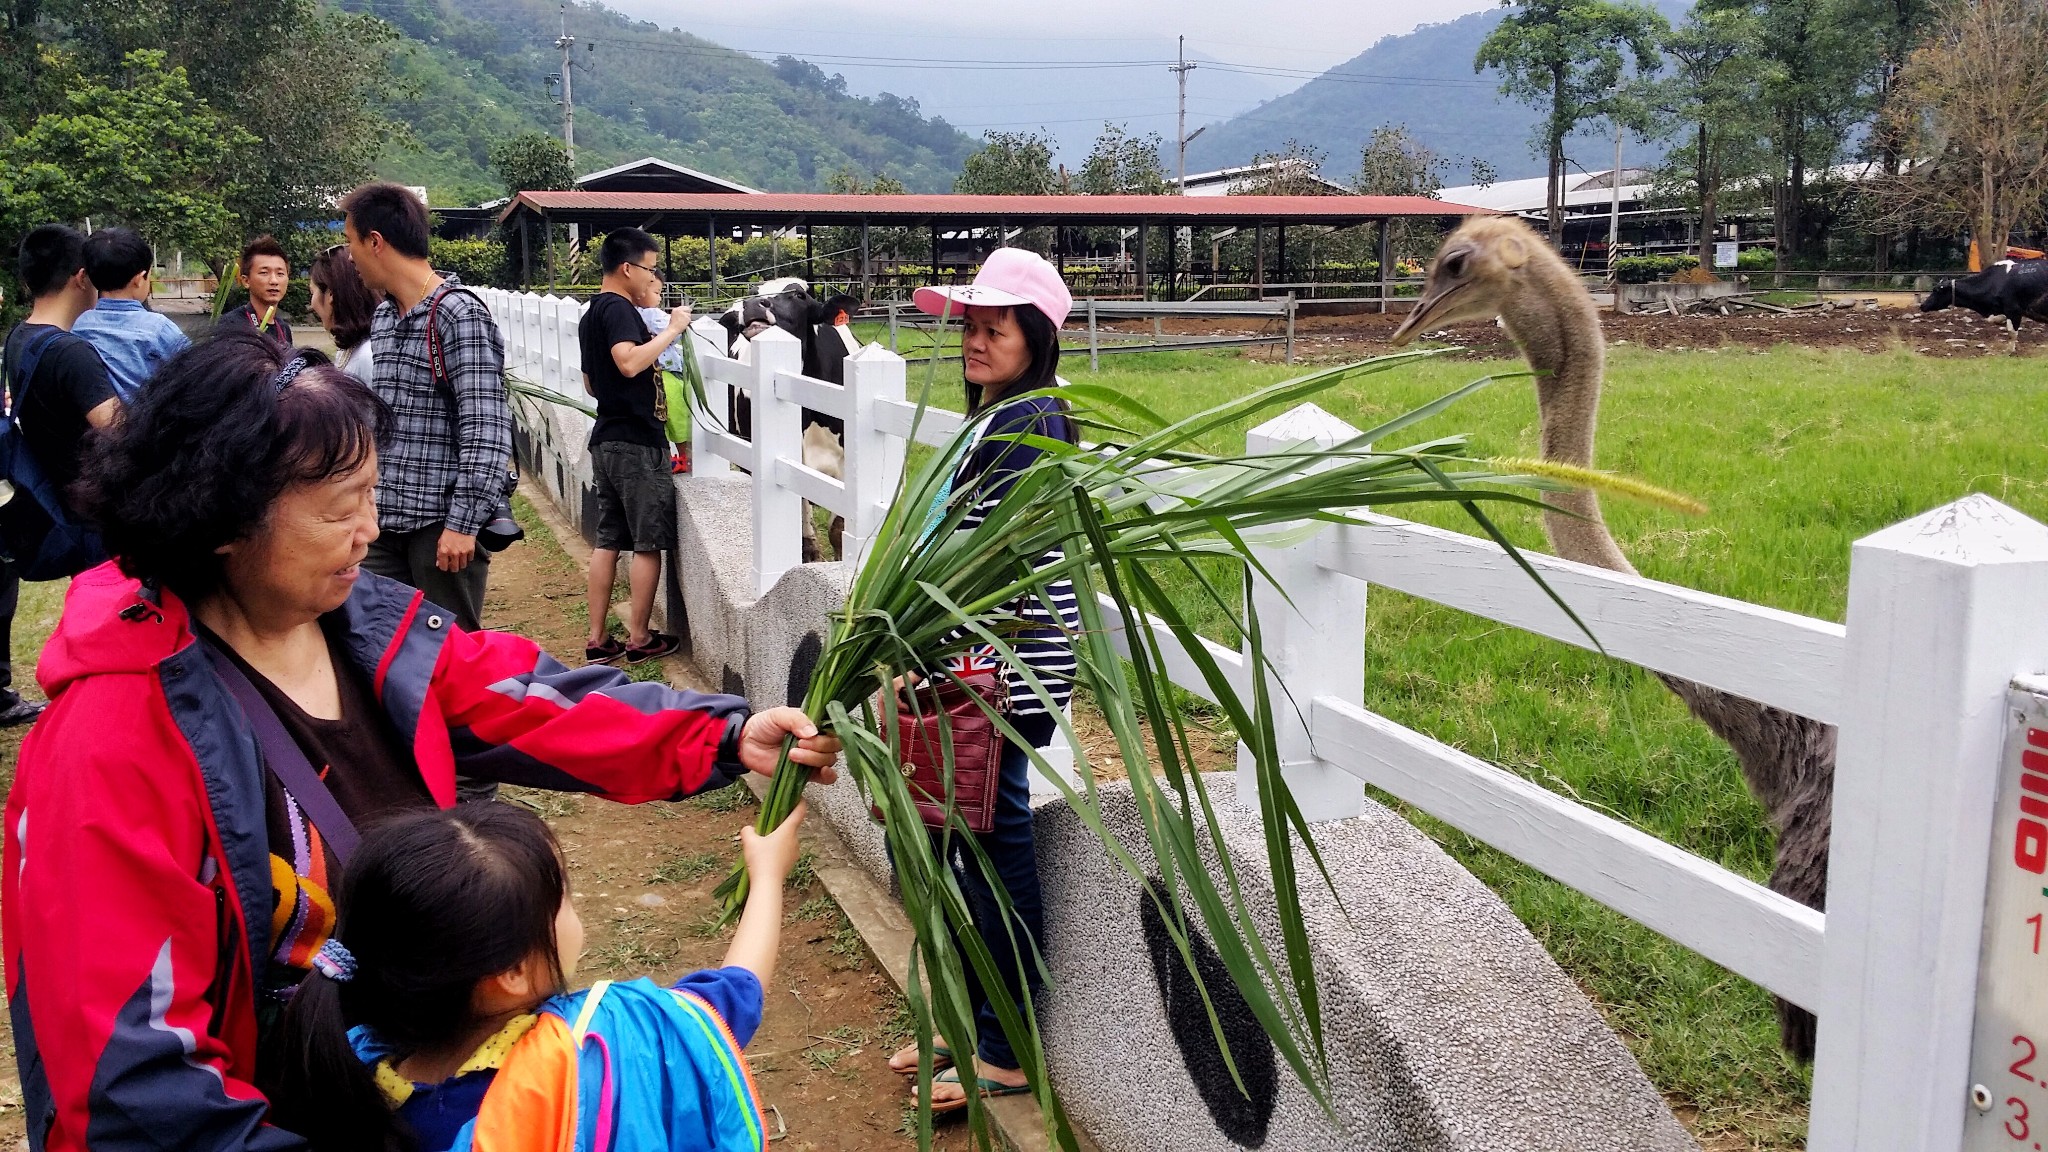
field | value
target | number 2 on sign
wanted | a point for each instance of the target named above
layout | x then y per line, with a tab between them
2019	1066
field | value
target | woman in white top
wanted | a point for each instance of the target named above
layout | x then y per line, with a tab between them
345	307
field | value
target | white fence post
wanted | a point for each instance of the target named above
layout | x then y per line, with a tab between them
1314	636
778	432
550	344
1944	610
529	319
569	315
710	340
873	462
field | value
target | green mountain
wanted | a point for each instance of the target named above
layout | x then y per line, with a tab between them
474	71
1422	80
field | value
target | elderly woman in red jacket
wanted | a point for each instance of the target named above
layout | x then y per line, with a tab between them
230	698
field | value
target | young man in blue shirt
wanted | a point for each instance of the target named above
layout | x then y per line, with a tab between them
132	340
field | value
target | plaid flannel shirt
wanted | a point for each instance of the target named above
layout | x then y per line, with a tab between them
445	456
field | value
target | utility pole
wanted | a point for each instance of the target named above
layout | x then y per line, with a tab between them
1614	209
565	42
1181	136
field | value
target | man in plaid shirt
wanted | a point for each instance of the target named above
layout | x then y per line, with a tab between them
440	365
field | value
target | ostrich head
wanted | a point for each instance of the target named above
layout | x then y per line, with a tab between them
1497	266
1474	274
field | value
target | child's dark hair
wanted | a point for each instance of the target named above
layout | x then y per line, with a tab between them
1042	337
432	903
114	256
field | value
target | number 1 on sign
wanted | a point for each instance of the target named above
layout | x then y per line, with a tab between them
2035	920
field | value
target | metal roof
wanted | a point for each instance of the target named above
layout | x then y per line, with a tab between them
657	168
692	212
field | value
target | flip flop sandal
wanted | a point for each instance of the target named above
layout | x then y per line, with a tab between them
989	1088
609	652
942	1059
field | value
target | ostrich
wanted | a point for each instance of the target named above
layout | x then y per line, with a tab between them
1497	266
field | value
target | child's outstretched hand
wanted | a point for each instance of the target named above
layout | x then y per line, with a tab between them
769	858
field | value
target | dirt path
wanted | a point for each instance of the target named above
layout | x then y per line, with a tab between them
643	878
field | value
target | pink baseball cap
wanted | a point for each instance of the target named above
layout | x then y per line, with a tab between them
1009	277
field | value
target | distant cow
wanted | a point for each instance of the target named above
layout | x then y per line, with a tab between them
2014	289
821	326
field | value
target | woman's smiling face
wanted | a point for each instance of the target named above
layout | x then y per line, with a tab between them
996	353
307	553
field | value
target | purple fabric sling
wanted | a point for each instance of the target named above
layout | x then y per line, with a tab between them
281	754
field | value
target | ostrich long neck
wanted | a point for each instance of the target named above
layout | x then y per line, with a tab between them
1551	318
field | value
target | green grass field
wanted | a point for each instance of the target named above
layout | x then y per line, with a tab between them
1797	453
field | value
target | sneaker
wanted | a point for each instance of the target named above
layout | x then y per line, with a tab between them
609	652
20	712
658	644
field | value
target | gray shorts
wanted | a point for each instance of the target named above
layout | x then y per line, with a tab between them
636	497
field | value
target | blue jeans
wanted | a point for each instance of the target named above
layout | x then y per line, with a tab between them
1013	853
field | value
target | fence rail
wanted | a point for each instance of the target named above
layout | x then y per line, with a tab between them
1944	611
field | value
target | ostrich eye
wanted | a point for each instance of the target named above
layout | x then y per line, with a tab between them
1454	264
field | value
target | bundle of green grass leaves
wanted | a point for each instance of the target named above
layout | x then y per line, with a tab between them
1125	511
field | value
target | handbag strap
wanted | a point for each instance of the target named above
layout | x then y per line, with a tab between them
286	761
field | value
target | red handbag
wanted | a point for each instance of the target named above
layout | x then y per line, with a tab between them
977	749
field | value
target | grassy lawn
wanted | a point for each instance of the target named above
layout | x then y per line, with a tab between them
1797	453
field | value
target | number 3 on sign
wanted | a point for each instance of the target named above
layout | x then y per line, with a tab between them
2019	1117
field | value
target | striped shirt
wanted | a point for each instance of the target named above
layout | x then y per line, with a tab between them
444	457
989	471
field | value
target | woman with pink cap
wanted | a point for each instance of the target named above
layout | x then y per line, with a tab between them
1010	321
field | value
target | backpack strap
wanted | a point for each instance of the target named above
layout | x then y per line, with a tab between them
21	371
436	366
282	755
581	1028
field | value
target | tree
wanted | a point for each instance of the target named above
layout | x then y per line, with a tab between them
532	162
1814	96
1566	58
1009	164
1707	103
1294	169
1121	164
146	152
1395	163
1974	98
305	77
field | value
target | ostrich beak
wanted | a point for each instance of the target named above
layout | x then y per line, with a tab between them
1436	301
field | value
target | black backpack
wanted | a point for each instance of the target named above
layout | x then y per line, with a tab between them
37	532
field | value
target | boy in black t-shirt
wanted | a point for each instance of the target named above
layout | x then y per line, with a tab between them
636	495
68	396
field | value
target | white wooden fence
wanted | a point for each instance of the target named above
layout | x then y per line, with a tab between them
1945	612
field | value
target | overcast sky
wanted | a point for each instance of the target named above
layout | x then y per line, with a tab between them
964	62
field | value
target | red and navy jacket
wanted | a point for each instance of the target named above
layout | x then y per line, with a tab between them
135	906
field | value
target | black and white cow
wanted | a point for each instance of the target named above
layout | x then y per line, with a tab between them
821	326
2014	289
